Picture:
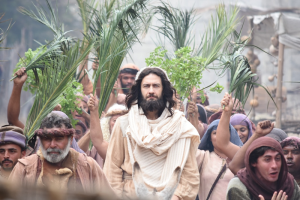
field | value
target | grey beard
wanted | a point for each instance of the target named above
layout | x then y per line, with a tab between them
55	158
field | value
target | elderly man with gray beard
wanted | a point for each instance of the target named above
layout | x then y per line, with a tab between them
56	164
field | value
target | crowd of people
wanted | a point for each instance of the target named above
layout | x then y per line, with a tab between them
148	144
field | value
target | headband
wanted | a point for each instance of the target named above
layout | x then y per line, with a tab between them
60	132
129	71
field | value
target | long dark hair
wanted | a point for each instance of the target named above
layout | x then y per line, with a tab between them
167	93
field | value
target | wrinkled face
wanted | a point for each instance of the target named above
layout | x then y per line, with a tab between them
292	157
127	80
79	132
112	122
243	132
268	166
151	87
55	148
9	155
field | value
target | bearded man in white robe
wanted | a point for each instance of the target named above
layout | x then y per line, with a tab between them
152	150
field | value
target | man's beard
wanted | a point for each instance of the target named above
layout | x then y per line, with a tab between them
5	168
55	158
153	105
125	87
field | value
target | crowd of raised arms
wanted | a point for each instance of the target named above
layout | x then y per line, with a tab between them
145	147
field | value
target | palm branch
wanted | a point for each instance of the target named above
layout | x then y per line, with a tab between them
3	33
56	48
242	80
56	78
115	33
216	35
176	25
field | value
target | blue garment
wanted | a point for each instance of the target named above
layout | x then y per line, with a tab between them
206	143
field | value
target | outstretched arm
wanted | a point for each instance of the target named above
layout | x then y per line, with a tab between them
223	134
13	109
95	129
262	129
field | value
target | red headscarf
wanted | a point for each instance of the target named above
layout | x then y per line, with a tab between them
255	185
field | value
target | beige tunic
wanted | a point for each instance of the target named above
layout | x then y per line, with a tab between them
118	161
210	165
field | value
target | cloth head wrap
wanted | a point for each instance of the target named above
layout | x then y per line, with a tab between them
243	120
206	143
277	134
138	74
74	144
83	126
294	141
115	109
256	185
85	98
12	134
129	68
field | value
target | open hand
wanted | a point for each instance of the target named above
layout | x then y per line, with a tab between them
263	128
93	103
21	76
280	196
227	102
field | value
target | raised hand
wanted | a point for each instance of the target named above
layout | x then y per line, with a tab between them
93	103
192	108
263	128
227	102
57	108
280	196
21	76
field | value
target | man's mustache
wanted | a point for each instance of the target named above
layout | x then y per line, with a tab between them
151	95
7	160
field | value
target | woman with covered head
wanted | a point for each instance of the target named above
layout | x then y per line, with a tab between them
211	160
266	174
242	125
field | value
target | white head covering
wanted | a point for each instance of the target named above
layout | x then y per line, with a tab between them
139	72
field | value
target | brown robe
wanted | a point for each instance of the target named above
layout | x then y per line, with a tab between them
90	174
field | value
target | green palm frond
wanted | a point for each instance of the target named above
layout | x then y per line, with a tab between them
115	33
50	20
56	78
56	48
216	35
242	79
176	25
3	33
